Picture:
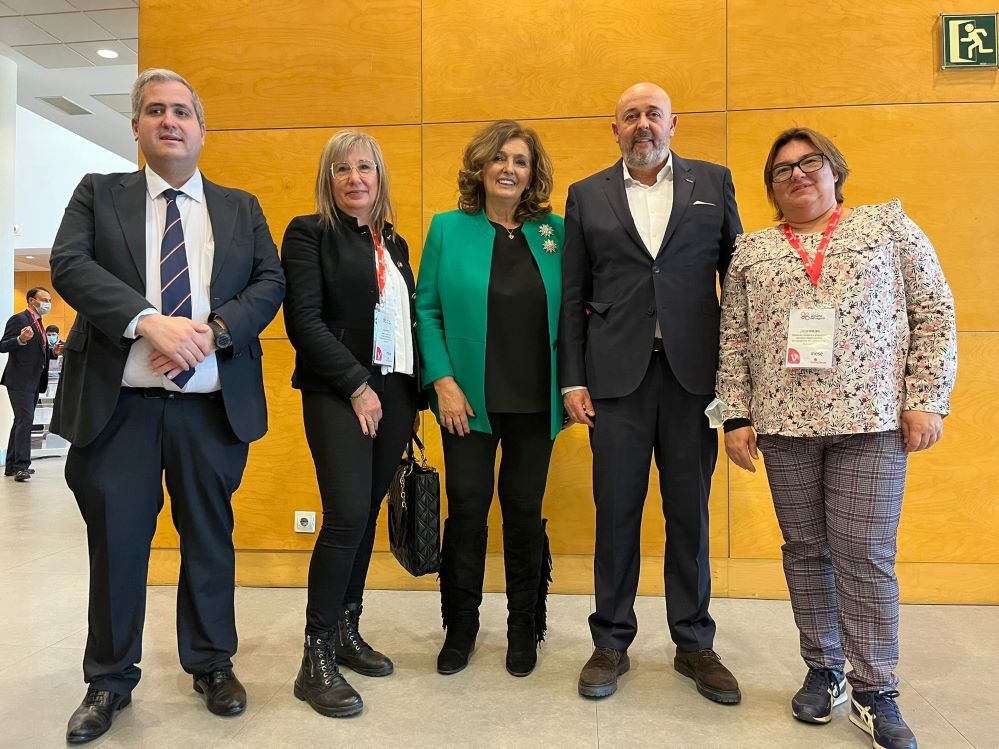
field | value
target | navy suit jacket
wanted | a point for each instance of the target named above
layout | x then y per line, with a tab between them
99	267
28	365
613	292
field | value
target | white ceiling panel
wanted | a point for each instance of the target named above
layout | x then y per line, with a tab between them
29	7
54	56
103	4
121	103
71	27
18	30
132	44
7	11
123	24
89	50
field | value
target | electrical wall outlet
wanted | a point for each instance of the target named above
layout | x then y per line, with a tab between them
305	521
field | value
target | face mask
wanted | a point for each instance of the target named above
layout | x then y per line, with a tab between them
53	339
44	308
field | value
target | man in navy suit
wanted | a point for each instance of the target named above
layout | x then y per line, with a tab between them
645	243
174	278
25	376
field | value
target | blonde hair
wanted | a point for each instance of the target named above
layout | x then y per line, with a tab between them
337	149
483	147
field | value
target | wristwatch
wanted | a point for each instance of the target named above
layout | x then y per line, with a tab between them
222	337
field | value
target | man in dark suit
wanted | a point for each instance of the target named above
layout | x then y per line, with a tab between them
645	242
25	376
174	278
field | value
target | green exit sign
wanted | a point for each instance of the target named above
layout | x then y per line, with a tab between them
969	40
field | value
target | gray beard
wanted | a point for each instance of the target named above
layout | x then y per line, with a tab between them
656	156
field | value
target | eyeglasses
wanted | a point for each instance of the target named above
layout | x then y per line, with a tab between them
807	164
342	170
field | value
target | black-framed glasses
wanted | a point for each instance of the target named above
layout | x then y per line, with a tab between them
341	169
807	164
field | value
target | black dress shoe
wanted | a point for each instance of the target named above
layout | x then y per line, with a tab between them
94	715
224	695
11	471
22	476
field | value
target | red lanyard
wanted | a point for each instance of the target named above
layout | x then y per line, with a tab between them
814	267
38	327
380	263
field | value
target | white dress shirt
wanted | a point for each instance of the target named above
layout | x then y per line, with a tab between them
651	205
199	243
396	301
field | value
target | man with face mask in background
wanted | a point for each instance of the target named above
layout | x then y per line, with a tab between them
25	376
645	242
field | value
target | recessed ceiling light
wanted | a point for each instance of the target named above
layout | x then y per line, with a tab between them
108	54
29	257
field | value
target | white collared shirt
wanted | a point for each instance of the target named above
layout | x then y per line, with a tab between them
651	205
396	300
199	243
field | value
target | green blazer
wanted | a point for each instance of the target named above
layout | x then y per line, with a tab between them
452	302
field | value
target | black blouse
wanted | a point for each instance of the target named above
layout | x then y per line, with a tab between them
518	360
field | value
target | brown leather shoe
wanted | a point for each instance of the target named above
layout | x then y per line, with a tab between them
599	676
713	680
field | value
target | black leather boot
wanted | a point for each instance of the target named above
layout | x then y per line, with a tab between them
352	651
321	684
463	565
527	559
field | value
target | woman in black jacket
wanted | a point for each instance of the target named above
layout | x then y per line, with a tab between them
348	311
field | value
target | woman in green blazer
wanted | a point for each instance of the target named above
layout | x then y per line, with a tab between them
487	309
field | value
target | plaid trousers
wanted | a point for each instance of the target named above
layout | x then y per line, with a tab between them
838	501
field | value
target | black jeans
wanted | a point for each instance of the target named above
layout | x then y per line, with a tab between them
470	474
354	472
22	403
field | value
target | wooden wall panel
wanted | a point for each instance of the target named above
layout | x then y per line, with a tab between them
792	54
297	63
572	58
579	148
934	157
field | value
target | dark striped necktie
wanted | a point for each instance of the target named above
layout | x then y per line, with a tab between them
175	280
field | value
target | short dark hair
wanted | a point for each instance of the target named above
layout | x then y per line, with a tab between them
51	328
34	290
820	143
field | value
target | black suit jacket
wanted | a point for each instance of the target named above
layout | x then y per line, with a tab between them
329	310
99	267
28	365
613	291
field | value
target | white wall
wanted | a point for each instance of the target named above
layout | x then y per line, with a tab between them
49	164
8	135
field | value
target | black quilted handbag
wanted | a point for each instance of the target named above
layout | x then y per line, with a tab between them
414	513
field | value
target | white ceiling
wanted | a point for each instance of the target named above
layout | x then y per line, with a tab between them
55	43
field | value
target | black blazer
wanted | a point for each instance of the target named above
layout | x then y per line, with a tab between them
330	306
28	365
99	267
613	292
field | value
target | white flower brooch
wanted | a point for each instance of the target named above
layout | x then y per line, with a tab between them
548	232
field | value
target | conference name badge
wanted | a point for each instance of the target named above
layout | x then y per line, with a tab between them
810	333
383	353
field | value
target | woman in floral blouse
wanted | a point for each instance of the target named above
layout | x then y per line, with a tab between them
837	358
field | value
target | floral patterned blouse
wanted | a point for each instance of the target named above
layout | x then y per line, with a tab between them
895	344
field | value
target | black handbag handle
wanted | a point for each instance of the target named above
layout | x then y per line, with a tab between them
415	438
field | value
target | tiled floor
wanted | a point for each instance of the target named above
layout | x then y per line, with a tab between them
948	652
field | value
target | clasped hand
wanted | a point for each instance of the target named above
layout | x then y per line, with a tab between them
179	343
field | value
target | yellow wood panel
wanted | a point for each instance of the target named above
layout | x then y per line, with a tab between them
297	63
279	167
578	148
949	513
523	59
792	54
933	157
919	582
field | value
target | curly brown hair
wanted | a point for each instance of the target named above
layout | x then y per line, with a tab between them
483	147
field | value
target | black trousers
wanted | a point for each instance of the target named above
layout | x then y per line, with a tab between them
354	472
118	483
470	471
22	403
659	418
